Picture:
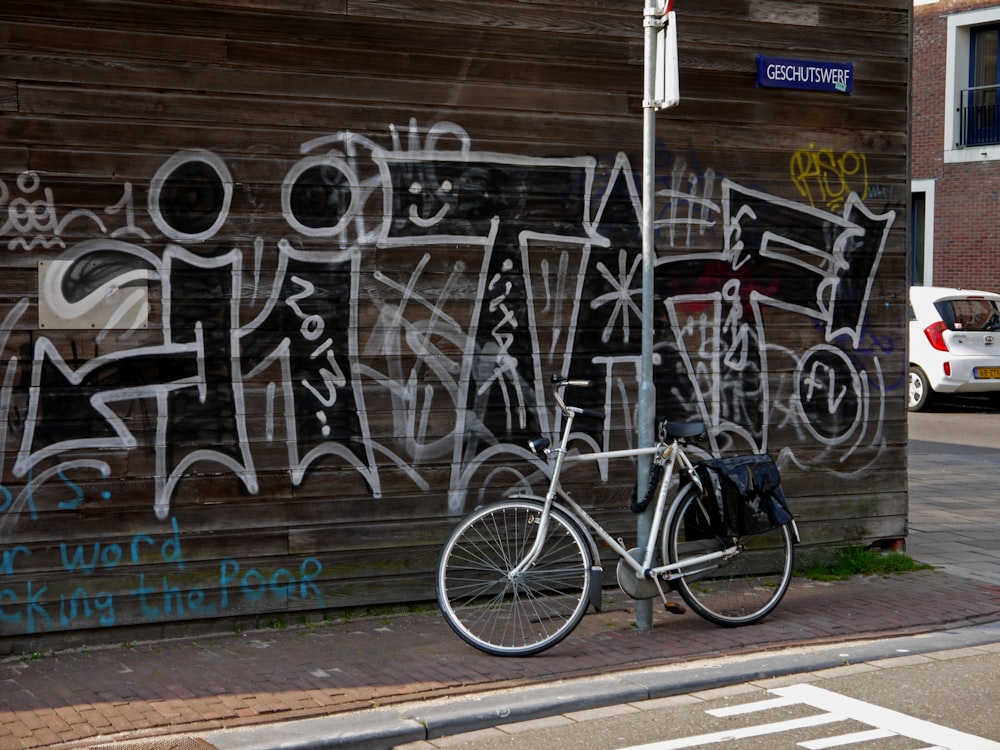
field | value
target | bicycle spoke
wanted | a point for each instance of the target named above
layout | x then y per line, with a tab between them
509	613
737	590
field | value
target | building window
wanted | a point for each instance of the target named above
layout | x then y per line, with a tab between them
972	122
980	124
922	233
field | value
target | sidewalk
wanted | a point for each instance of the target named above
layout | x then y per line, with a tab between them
172	695
955	509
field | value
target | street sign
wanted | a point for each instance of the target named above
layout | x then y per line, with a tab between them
667	91
812	75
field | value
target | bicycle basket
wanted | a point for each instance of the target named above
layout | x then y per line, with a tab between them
744	494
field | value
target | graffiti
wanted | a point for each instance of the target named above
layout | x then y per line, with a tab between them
879	192
101	294
826	179
28	608
32	218
684	206
190	195
404	323
778	256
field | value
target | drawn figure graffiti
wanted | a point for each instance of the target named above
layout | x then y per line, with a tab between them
408	313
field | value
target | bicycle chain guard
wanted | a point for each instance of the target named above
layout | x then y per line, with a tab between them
632	583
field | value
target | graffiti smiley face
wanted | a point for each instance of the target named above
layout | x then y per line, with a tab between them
446	198
427	201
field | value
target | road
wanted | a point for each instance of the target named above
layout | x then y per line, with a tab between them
963	425
945	700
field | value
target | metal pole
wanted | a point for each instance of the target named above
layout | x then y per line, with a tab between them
646	416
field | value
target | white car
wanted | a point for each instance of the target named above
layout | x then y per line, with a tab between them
954	343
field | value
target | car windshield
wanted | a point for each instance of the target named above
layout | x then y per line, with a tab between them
975	314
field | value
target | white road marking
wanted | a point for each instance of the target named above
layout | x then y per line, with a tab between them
727	735
884	722
749	708
848	739
884	718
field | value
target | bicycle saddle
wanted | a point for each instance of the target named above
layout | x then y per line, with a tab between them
683	429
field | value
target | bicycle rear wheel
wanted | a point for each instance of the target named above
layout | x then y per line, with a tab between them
739	590
509	615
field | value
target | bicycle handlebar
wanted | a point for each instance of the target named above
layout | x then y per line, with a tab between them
560	381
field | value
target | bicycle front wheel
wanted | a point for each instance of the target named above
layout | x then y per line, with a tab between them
506	614
737	590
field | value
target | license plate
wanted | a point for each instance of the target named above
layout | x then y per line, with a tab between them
982	373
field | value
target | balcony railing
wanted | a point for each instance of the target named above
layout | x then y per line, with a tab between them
980	116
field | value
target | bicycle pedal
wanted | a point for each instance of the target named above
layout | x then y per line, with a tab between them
674	608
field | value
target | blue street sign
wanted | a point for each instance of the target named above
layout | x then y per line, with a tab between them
812	75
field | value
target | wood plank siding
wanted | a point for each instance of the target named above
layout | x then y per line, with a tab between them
283	282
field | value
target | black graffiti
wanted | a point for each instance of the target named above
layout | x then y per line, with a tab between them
551	283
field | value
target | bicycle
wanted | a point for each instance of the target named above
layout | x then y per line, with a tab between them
516	576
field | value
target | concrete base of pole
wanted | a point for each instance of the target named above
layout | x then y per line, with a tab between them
644	614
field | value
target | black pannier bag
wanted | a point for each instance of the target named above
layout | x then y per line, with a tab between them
743	494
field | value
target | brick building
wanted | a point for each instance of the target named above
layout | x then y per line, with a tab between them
956	144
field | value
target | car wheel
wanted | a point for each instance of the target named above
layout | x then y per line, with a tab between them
918	392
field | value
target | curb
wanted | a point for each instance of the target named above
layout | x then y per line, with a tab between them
382	729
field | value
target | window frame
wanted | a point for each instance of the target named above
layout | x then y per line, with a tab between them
927	187
957	76
983	37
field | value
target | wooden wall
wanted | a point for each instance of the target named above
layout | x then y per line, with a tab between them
283	283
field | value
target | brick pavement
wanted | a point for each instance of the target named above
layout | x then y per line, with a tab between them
954	523
104	696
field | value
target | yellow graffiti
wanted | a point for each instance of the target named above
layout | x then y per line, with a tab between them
824	178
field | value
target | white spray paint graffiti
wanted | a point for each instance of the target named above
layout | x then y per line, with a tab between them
770	242
32	218
523	259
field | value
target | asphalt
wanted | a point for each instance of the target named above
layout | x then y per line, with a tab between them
386	680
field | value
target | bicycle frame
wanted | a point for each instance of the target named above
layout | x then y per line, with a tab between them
670	453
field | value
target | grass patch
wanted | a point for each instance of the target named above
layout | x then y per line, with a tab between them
864	561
